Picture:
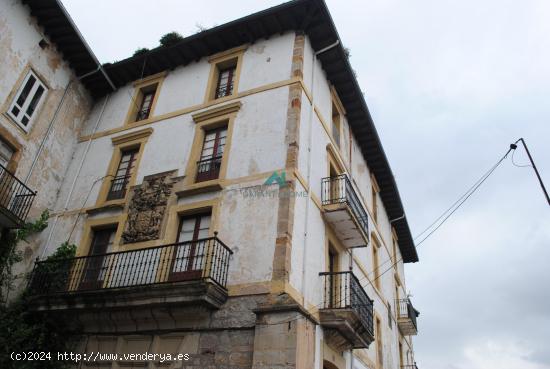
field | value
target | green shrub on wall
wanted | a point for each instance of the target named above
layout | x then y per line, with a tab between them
24	330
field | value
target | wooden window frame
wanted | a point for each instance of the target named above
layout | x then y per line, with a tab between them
85	244
190	273
176	212
211	174
122	143
204	121
219	62
133	151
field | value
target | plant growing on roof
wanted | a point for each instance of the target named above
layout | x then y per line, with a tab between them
170	39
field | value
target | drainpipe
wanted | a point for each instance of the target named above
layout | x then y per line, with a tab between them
73	184
50	127
99	68
308	177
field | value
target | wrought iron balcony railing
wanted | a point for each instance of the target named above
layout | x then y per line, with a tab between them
119	186
208	169
342	290
339	190
224	90
15	199
407	313
205	259
143	114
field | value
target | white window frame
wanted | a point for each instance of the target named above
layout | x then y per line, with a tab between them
25	105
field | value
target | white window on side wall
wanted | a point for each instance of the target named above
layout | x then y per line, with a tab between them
27	101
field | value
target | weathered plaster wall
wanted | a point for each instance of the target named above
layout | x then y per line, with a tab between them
19	42
359	172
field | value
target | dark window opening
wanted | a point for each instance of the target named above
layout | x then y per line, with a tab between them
119	184
146	103
226	79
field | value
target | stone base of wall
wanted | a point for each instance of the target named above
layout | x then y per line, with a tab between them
248	332
227	349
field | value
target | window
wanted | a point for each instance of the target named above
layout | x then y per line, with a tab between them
209	164
376	264
27	100
225	78
225	68
6	153
146	98
191	247
336	124
379	345
394	245
125	169
95	269
374	196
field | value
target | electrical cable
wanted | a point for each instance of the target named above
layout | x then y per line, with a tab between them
460	201
519	165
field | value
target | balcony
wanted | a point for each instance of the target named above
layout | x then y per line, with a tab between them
118	188
208	169
15	200
177	274
347	312
344	211
410	366
406	317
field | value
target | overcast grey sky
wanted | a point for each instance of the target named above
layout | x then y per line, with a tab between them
450	84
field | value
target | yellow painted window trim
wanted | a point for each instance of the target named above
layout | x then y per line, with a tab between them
337	101
132	136
217	111
227	54
120	143
191	109
215	60
177	211
86	240
9	139
374	183
376	247
341	112
335	159
139	85
208	120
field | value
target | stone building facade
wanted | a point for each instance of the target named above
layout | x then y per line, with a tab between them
229	197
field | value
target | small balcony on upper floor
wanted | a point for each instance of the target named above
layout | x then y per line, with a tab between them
15	200
406	317
347	312
344	211
409	366
186	273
